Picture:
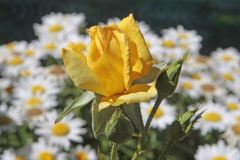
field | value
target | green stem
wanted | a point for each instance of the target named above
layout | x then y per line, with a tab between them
166	149
135	155
114	154
142	138
150	118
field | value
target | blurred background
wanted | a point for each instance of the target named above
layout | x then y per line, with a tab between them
217	21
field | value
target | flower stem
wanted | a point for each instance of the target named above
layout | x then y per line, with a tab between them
150	118
114	155
166	149
142	138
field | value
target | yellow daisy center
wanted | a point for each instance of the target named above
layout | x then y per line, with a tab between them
196	76
237	71
159	113
55	28
168	44
219	158
29	52
208	87
228	77
60	129
34	112
5	120
227	57
236	129
201	59
25	73
187	86
57	70
212	117
9	89
238	118
46	156
34	101
232	106
38	89
50	46
15	60
10	46
183	46
81	156
19	158
182	35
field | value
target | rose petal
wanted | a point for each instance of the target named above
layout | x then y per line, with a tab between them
137	93
142	62
77	68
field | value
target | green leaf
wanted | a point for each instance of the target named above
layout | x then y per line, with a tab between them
185	117
152	75
80	102
111	124
104	145
123	131
100	118
133	112
184	124
196	118
176	131
168	79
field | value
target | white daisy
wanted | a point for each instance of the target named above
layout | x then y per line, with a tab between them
236	87
6	89
84	153
218	151
164	116
196	63
61	133
49	47
38	84
42	150
34	106
11	155
225	75
57	73
209	88
188	86
9	117
215	117
15	63
31	71
232	134
32	51
232	103
13	47
188	40
56	25
169	47
32	100
228	57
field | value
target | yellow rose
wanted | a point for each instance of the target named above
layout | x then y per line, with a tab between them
117	55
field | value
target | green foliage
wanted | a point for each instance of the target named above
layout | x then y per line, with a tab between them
100	118
133	112
168	79
80	102
183	125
